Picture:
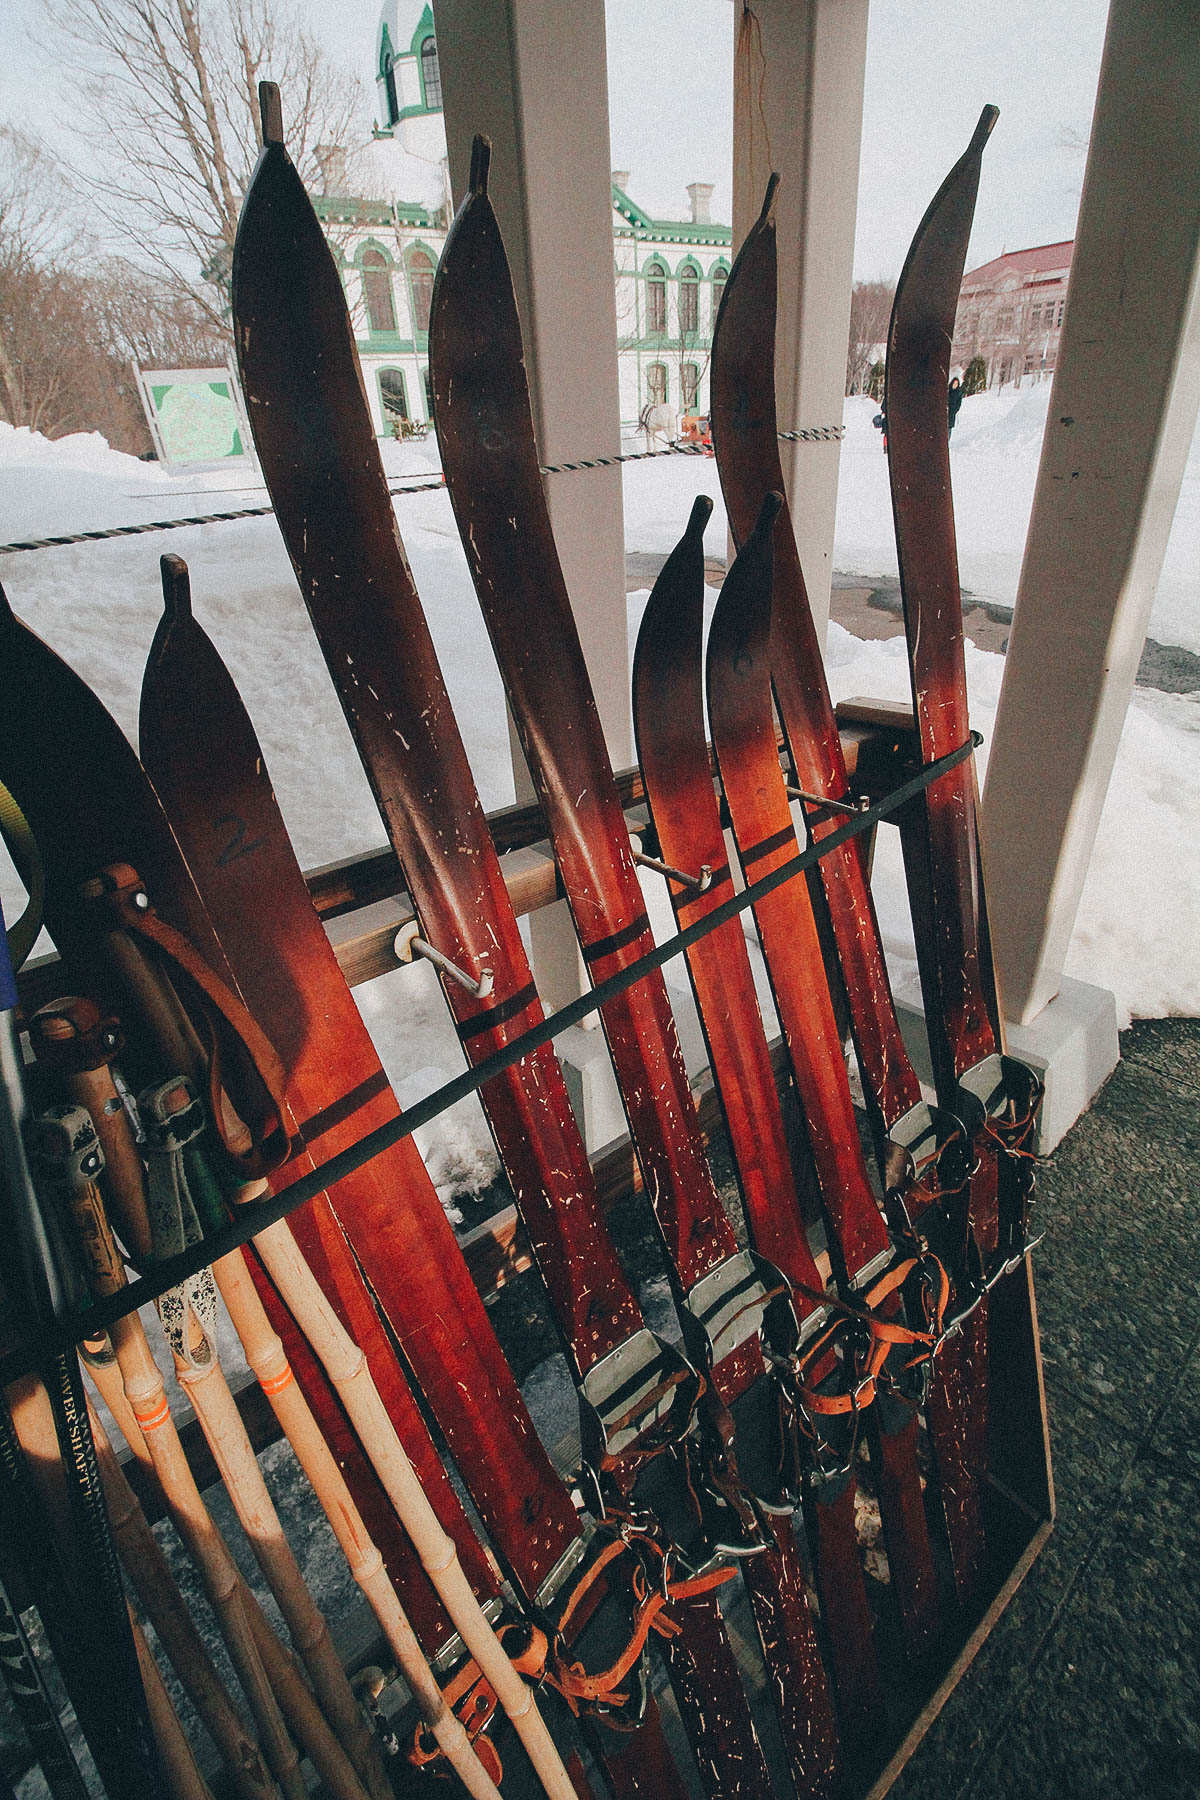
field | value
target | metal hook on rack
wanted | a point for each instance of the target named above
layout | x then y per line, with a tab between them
409	943
853	807
701	882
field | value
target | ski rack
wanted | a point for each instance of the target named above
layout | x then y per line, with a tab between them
1020	1509
72	1327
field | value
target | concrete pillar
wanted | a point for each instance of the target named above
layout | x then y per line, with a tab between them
798	102
1122	411
533	75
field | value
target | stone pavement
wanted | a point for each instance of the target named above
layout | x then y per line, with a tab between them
1089	1687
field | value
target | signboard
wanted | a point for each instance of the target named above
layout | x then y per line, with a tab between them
195	417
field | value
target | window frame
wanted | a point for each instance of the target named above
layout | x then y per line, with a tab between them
689	300
656	299
376	278
427	56
420	329
384	413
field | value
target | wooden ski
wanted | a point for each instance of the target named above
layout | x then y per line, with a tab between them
669	721
743	728
996	1096
994	1093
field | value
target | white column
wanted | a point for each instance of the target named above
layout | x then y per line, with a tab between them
1122	411
798	101
533	76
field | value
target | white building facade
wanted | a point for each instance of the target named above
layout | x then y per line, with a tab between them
669	274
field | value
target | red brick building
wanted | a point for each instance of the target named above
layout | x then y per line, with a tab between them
1010	312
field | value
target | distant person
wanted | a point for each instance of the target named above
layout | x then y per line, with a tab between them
954	400
880	424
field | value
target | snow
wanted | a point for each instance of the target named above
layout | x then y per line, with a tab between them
98	603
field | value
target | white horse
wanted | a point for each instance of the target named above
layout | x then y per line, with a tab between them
661	425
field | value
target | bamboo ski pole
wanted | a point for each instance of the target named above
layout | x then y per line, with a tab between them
281	1674
95	1088
265	1355
306	1720
199	1371
347	1368
164	1606
222	1425
144	1390
178	1759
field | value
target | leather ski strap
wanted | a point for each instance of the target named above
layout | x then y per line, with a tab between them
240	1059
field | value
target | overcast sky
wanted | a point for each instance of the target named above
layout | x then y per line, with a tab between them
931	66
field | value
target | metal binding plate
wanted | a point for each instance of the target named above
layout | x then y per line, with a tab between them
629	1392
919	1132
983	1091
731	1302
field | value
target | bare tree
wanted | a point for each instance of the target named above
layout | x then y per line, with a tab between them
41	300
870	311
71	322
171	121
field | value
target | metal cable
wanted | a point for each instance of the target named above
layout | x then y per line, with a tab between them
818	434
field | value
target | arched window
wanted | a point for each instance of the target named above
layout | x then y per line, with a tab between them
389	84
428	379
656	384
377	291
420	280
689	298
720	276
431	75
691	386
656	298
392	398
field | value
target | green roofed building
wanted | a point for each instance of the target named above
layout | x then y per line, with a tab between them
669	272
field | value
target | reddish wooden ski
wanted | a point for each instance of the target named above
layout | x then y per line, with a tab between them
485	430
860	1248
996	1096
994	1093
668	716
919	1149
318	452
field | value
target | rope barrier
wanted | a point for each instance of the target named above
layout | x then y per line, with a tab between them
817	434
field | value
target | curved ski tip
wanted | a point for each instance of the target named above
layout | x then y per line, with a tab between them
481	162
270	112
700	515
176	587
769	199
768	512
983	129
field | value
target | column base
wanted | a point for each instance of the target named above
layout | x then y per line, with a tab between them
1072	1044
